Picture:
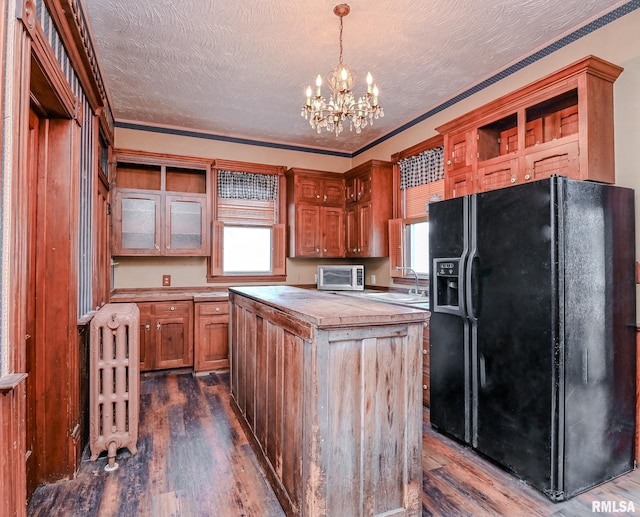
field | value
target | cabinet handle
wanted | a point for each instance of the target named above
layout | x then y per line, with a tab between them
147	326
172	308
158	325
513	180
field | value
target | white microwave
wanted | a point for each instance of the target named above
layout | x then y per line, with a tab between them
341	278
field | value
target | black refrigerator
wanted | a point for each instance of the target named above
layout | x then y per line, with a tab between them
532	331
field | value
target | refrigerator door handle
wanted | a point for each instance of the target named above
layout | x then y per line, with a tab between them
483	371
472	287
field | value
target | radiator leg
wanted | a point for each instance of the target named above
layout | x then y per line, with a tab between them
111	454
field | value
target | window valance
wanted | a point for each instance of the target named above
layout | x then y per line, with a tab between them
426	167
247	185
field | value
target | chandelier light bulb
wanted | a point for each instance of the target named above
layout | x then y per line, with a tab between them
342	105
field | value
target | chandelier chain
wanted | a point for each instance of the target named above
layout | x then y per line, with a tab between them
341	17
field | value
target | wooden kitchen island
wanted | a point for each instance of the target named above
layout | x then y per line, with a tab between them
329	389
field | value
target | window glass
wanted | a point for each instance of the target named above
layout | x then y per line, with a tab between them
247	250
417	247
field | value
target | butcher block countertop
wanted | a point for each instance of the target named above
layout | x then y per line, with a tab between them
325	309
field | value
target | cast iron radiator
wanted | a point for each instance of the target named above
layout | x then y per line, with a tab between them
114	399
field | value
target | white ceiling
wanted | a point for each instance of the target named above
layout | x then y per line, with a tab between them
240	68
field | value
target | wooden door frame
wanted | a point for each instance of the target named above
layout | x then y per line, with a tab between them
39	82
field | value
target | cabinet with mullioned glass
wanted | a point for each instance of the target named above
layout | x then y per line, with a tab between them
159	206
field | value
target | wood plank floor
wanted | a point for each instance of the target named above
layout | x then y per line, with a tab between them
194	460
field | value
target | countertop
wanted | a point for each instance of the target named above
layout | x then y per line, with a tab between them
160	295
325	309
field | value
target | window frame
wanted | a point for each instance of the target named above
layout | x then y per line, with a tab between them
215	265
399	224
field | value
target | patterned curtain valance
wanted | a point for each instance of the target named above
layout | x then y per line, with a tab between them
247	185
423	168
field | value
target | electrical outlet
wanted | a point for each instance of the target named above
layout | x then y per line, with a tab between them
166	280
373	279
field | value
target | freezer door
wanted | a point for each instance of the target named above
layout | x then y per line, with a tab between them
599	321
449	331
511	268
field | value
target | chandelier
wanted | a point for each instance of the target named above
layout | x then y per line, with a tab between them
342	105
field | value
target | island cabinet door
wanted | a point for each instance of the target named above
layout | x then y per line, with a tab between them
363	410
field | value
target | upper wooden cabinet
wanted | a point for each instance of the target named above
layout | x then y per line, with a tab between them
315	213
159	205
561	124
369	206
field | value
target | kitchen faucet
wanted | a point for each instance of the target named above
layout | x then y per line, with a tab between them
413	290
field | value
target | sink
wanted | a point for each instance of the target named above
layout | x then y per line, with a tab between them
407	299
394	297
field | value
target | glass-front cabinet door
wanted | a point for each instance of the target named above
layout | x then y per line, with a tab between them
186	225
138	223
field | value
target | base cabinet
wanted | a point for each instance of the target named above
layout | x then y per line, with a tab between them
166	335
211	336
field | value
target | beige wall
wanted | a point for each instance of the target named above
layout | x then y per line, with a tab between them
617	42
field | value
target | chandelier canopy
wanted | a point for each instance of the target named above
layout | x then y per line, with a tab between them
342	105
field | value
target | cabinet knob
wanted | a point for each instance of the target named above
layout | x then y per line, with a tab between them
157	246
325	250
317	250
217	309
325	197
424	351
317	196
172	308
424	386
527	177
168	246
513	180
158	325
147	326
448	162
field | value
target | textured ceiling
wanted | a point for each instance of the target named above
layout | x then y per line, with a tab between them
240	69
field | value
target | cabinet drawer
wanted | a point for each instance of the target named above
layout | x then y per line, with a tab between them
212	308
171	308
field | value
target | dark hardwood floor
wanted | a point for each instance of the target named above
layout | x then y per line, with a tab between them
194	460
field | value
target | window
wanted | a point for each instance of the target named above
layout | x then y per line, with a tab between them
247	250
417	247
248	230
419	179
